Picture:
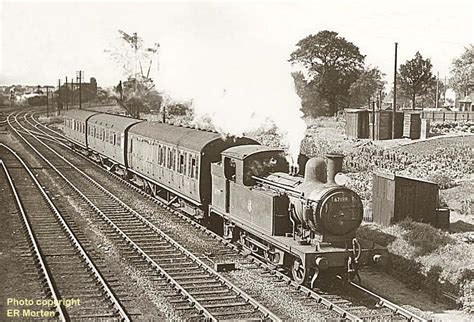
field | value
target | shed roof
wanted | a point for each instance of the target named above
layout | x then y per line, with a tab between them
111	121
241	152
189	138
80	115
392	176
356	110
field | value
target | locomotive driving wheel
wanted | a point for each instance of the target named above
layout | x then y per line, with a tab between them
299	272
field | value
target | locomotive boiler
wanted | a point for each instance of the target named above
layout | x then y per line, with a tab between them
303	222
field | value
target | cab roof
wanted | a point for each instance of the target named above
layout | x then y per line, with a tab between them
242	152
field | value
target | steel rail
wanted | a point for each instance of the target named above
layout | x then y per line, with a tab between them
73	239
36	248
266	312
308	292
392	306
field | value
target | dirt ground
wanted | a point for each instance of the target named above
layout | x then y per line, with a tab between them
394	291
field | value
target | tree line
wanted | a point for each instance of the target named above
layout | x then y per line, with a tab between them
333	75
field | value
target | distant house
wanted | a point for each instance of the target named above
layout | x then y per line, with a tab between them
402	102
466	104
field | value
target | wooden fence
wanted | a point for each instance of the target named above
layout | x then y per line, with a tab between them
447	116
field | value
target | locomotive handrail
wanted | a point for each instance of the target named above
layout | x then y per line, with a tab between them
287	189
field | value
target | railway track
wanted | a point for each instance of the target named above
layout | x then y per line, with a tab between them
323	302
196	288
68	272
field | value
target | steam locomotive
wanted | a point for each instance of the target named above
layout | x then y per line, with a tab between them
302	222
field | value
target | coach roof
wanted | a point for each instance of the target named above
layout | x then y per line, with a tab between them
80	115
185	137
115	122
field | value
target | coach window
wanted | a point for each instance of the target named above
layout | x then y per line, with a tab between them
168	157
115	139
192	167
173	159
160	154
181	163
196	169
185	164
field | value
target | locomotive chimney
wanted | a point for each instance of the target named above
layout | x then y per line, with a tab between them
334	165
315	171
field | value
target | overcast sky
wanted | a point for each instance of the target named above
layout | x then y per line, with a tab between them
43	41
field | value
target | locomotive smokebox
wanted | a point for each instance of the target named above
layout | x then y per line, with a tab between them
334	165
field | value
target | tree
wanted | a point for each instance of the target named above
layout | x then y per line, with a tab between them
332	63
415	77
429	99
462	72
366	86
311	102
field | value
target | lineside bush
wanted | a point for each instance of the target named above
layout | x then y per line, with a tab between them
425	238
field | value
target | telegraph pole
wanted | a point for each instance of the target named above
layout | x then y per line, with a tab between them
12	97
47	99
72	92
394	107
67	96
373	121
80	74
437	90
59	96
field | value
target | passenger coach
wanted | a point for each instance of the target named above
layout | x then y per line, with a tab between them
75	126
178	158
107	138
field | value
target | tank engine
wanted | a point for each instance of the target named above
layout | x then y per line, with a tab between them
304	222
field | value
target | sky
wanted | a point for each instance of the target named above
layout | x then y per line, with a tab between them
43	41
230	58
